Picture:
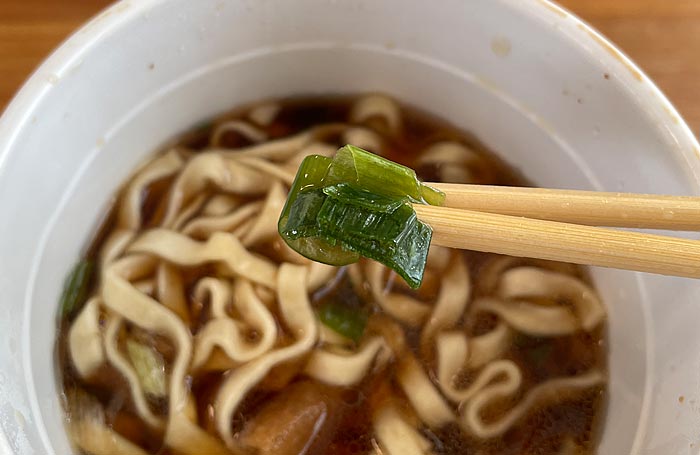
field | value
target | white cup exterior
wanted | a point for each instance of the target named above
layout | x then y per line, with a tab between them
528	79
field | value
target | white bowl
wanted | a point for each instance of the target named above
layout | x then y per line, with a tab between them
528	79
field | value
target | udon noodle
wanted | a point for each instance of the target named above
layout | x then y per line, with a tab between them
201	333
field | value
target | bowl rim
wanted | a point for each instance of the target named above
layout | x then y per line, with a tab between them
68	55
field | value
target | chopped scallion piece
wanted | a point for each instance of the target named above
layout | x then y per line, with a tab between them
359	204
75	288
431	195
297	224
149	366
375	174
303	213
378	227
348	192
347	321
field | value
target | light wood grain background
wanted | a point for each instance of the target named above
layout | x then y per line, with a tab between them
662	36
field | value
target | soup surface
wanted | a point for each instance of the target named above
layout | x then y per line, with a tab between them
191	328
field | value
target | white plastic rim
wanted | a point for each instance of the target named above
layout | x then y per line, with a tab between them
530	80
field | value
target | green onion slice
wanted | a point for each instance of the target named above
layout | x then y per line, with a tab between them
381	228
149	366
377	175
297	224
347	321
75	288
359	204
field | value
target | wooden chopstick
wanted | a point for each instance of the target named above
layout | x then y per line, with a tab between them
592	208
527	237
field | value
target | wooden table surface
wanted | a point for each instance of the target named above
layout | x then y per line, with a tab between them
662	36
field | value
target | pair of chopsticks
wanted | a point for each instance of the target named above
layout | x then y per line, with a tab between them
559	225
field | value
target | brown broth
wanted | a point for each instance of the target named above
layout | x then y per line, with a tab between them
539	358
